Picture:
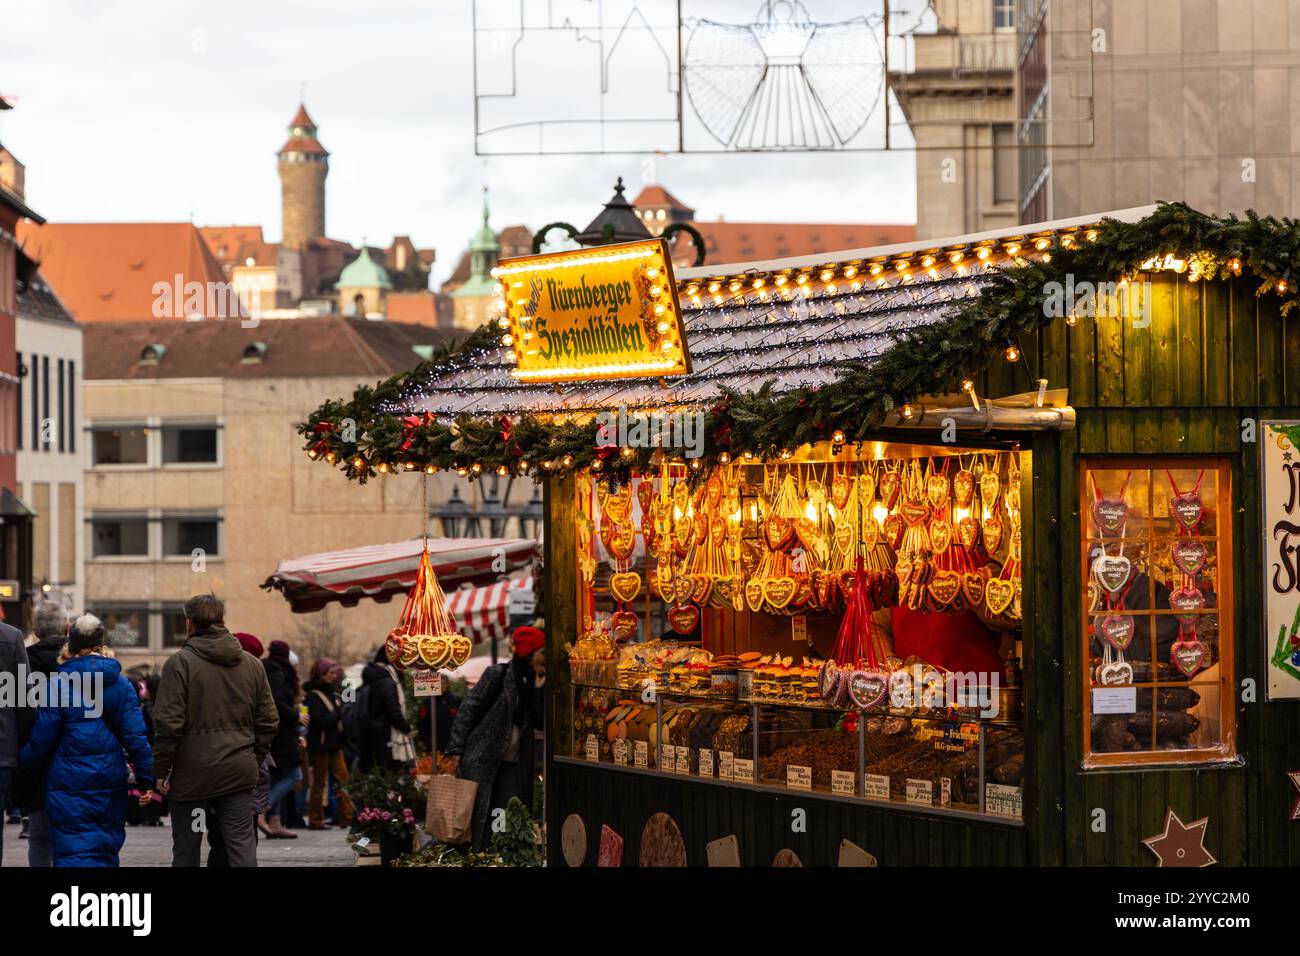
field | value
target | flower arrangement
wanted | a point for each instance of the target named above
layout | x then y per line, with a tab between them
377	822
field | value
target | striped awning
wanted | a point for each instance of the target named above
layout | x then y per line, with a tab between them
380	571
483	613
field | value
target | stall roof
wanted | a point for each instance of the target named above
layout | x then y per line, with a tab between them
794	322
380	571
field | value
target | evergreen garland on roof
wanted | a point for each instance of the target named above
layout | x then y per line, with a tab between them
362	435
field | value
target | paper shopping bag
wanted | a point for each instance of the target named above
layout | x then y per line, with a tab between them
450	810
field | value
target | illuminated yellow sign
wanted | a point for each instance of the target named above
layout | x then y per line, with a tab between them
606	312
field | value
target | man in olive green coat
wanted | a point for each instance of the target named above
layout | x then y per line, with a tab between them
214	719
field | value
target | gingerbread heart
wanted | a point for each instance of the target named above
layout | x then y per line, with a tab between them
841	488
936	489
461	648
780	591
623	624
945	587
681	495
1187	599
665	590
713	492
940	535
992	531
1115	673
619	505
891	482
1188	509
625	585
990	488
682	530
968	531
683	587
1112	572
621	542
1189	656
754	593
828	680
894	528
866	490
903	569
703	588
644	493
843	536
998	594
972	588
684	618
1110	515
1117	630
1189	555
870	533
867	688
914	511
779	531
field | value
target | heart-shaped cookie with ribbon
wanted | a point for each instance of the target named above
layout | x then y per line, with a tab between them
618	506
621	542
968	531
894	528
937	490
435	649
972	588
914	511
779	531
1115	673
992	531
945	587
754	594
940	534
998	594
1112	571
644	493
841	488
867	688
665	590
683	618
1188	509
843	537
1110	515
990	488
623	624
625	586
780	591
703	588
1117	630
1185	600
1189	656
1189	555
870	533
683	587
866	490
461	648
963	488
891	482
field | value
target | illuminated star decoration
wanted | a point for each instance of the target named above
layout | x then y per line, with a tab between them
1181	844
1295	782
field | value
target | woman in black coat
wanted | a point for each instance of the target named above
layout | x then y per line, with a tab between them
283	678
380	715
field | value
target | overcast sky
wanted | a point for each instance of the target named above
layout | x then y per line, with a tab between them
165	110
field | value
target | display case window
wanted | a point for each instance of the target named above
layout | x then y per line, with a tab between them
1157	615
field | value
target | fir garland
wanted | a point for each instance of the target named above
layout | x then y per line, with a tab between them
362	438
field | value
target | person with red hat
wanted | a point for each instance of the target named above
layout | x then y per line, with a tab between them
491	740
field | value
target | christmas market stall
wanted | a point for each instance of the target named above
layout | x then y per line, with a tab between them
968	552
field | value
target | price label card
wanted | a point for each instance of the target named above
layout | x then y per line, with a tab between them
683	759
742	770
920	791
620	751
705	764
726	765
800	778
1001	800
875	786
799	628
668	758
1114	700
843	781
641	753
593	747
427	684
945	791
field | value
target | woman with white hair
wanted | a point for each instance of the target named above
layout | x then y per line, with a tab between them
81	733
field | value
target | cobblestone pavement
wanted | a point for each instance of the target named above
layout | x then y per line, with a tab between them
152	846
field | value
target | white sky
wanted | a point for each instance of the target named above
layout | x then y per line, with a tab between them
165	110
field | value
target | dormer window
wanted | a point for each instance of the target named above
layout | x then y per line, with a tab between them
152	354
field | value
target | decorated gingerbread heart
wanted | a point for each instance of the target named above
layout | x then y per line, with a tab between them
623	624
1188	509
992	530
1185	600
1189	555
936	490
780	591
940	534
968	531
1117	630
891	482
894	528
683	618
625	586
867	688
1112	571
998	594
963	488
1189	655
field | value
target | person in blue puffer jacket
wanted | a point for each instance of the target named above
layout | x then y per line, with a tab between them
82	733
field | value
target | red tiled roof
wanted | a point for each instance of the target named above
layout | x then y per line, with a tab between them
226	241
298	144
658	196
416	308
107	271
301	118
727	242
313	347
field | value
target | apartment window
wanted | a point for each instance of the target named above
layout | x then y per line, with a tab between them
183	535
1006	163
119	537
18	390
72	406
61	407
45	403
67	533
120	446
1004	14
125	625
36	401
40	502
10	416
189	444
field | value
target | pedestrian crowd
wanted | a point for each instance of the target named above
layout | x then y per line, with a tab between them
229	743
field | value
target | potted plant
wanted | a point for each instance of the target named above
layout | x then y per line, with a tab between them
390	807
392	828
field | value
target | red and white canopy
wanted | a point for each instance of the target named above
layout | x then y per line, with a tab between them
482	613
380	571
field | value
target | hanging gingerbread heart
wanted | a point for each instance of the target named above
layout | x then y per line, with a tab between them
843	537
683	587
681	495
963	488
990	488
1110	515
894	528
780	591
1112	572
625	586
623	625
940	534
891	482
779	531
1115	673
1185	600
1117	630
914	511
703	588
1188	509
972	588
841	488
618	505
607	529
1189	555
993	529
968	531
866	490
870	533
644	493
1189	655
936	490
754	594
622	541
945	587
684	618
867	688
998	594
713	492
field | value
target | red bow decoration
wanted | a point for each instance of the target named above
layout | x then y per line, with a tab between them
321	447
409	424
324	428
505	428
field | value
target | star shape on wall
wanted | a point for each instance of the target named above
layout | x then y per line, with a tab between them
1181	844
1295	782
